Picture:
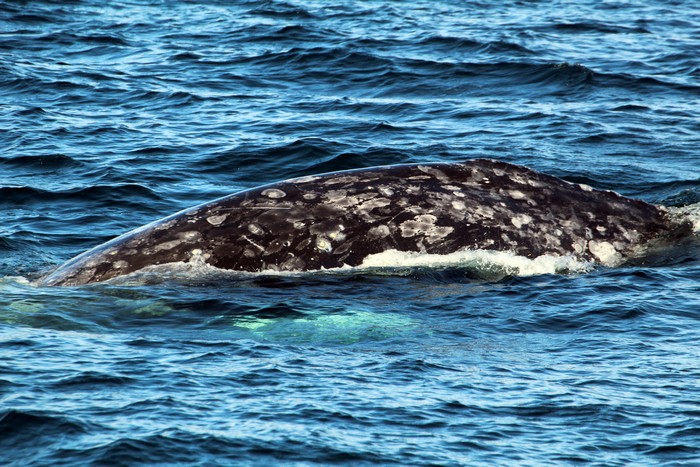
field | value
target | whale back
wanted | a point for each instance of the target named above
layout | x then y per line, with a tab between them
339	219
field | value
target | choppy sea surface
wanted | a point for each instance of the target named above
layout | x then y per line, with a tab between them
116	113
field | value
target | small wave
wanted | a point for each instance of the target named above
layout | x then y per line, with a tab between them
631	108
12	81
370	107
292	33
31	18
31	111
598	27
307	156
175	446
393	74
187	56
169	98
372	157
106	39
275	161
281	10
505	47
566	73
43	162
343	60
8	244
462	44
91	380
18	241
126	193
374	73
451	42
383	127
552	78
25	81
19	426
68	39
153	151
632	82
357	9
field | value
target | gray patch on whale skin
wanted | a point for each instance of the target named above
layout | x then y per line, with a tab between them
336	219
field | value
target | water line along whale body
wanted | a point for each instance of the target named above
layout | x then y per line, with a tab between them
340	219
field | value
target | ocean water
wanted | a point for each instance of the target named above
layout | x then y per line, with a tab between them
116	113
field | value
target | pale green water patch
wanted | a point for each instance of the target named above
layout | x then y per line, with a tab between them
345	328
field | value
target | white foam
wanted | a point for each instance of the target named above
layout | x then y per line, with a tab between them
490	265
15	284
21	280
480	260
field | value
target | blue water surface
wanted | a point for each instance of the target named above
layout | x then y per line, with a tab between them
116	113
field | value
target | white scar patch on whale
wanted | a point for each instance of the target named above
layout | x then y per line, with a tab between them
605	252
424	225
255	229
435	172
273	193
385	191
520	220
421	224
217	220
335	195
323	244
379	231
183	237
167	245
459	205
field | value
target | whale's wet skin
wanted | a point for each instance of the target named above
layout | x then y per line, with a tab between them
342	219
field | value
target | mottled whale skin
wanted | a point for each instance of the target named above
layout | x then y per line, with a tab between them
337	219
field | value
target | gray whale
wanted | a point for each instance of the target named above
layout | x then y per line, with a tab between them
339	219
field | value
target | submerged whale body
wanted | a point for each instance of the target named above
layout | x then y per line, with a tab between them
342	218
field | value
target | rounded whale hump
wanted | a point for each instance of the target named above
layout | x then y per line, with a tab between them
342	219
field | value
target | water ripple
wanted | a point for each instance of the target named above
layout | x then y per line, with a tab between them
117	113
